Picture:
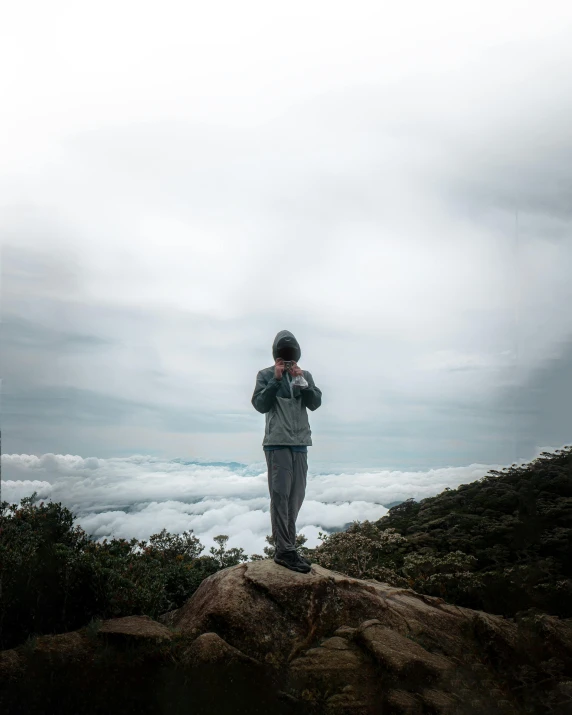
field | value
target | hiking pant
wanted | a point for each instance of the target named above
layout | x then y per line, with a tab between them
287	472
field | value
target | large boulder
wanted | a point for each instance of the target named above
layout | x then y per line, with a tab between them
355	646
260	638
274	613
135	628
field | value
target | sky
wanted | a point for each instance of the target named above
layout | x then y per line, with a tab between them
179	182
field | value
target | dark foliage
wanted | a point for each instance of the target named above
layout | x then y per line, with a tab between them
55	578
502	544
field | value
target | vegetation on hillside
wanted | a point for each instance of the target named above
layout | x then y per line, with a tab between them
55	578
502	544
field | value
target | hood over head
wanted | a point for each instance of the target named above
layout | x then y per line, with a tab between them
286	346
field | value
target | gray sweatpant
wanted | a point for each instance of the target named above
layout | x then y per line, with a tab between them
287	471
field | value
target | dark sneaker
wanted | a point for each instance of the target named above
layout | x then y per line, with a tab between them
291	560
304	559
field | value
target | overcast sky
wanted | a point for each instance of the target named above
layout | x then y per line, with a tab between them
390	182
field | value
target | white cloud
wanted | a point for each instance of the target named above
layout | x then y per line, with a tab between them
139	496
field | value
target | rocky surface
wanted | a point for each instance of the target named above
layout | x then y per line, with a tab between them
136	627
358	645
330	643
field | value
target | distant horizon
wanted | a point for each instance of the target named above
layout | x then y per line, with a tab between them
391	185
138	495
406	216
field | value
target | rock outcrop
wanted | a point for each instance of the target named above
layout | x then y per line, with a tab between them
334	644
357	646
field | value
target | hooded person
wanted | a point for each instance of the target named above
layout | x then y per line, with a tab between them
287	436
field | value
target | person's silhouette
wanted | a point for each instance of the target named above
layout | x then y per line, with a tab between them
287	436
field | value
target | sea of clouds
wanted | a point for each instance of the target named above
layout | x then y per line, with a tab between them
139	495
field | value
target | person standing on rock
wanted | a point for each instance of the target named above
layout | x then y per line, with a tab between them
283	393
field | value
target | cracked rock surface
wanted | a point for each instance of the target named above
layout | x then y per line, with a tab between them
356	646
284	642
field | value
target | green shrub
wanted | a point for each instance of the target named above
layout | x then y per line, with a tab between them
502	544
55	578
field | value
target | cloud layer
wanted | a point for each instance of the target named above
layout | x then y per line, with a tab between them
139	495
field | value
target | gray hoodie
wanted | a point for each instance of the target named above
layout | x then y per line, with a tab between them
285	405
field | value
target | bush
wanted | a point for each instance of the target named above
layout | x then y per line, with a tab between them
55	578
501	544
270	550
363	551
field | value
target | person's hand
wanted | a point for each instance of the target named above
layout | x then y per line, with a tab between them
295	370
279	368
